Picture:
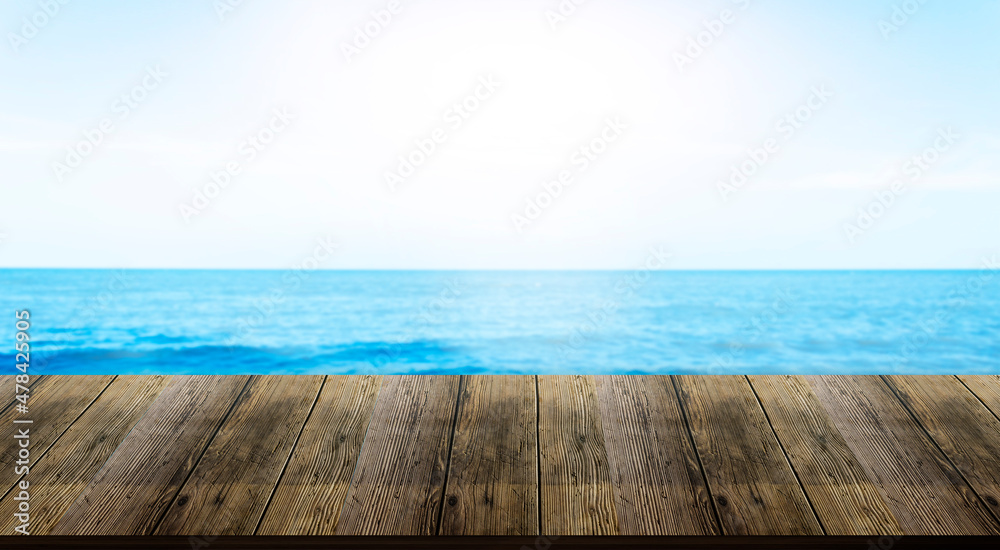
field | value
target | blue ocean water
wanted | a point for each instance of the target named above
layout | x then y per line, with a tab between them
396	322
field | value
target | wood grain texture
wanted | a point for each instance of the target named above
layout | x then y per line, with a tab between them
576	493
398	483
986	388
659	486
845	499
229	488
53	405
70	464
613	455
310	495
924	492
133	489
963	428
492	483
8	387
755	490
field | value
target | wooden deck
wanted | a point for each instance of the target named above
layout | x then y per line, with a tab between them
509	455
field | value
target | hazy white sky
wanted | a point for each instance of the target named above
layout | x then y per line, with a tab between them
644	126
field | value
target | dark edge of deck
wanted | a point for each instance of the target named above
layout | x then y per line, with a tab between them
501	543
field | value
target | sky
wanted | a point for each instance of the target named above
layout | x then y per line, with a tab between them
499	134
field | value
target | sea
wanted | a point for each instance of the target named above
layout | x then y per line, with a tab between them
503	322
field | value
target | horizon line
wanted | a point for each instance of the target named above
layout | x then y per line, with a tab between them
521	270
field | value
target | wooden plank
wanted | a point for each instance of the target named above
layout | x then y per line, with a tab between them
53	405
8	387
963	428
492	483
576	493
924	492
398	484
76	457
232	484
845	499
659	486
987	389
133	489
310	495
755	490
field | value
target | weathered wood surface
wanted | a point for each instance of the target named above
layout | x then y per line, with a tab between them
132	491
925	493
755	489
577	497
399	480
961	426
986	388
61	475
659	485
845	499
310	495
232	483
510	455
492	485
54	404
8	388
